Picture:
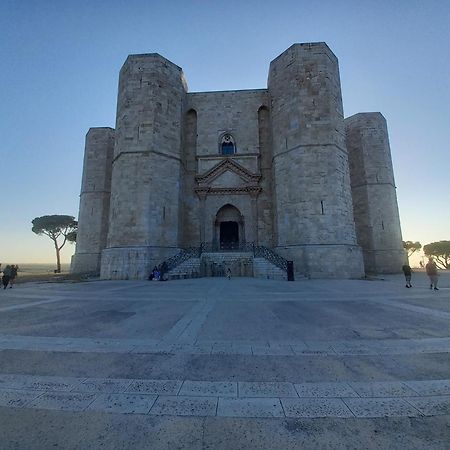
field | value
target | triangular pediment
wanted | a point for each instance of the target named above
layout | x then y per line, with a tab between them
227	173
227	179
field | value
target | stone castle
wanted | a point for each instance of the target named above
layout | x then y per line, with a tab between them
277	168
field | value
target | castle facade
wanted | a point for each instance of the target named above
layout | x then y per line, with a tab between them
277	167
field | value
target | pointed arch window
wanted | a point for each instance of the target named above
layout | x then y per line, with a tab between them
227	145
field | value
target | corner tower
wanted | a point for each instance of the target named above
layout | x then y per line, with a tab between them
94	200
374	197
314	214
144	212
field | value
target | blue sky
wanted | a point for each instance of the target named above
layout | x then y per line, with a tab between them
59	71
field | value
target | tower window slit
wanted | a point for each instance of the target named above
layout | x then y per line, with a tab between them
321	206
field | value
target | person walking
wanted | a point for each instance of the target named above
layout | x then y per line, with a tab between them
432	273
6	276
229	273
14	269
407	271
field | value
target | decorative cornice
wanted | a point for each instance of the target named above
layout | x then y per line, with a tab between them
240	190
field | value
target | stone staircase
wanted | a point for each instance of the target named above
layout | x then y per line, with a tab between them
216	264
191	268
262	268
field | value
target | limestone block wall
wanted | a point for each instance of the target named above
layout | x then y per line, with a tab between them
211	114
314	226
144	215
190	213
235	112
374	197
265	202
94	200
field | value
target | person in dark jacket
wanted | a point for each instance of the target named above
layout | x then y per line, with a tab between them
407	271
6	276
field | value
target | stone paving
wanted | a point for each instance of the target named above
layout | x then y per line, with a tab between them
273	358
227	398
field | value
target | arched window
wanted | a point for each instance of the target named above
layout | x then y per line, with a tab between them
227	145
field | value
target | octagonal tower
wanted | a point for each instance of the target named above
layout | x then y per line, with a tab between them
143	225
314	214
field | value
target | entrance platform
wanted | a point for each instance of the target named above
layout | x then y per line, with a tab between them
224	364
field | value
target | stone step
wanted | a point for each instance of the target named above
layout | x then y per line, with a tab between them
262	268
218	263
187	269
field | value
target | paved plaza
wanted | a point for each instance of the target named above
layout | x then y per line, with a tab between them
223	364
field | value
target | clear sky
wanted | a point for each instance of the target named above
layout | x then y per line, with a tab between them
60	62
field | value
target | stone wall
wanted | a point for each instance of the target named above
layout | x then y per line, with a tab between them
93	214
234	112
374	197
209	116
144	216
312	183
265	202
190	213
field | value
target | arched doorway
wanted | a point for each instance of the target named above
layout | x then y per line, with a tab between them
229	228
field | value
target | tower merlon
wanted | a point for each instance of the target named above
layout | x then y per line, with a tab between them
149	56
99	129
306	48
369	115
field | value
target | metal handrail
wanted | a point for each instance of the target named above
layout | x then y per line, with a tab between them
180	257
271	256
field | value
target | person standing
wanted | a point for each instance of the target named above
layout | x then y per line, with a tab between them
407	271
6	276
432	273
14	269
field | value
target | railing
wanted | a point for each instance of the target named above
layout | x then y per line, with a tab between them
214	247
271	256
180	257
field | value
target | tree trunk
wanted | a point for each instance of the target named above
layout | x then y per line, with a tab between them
58	259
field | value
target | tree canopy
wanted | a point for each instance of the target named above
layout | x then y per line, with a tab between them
56	227
440	251
411	247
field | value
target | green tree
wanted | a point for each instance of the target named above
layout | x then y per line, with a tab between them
411	247
440	251
56	227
